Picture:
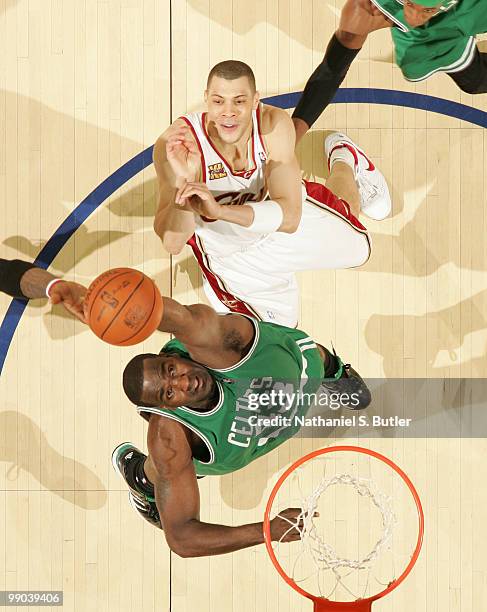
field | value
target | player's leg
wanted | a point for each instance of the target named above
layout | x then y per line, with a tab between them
249	283
342	183
260	281
473	78
375	200
341	378
329	236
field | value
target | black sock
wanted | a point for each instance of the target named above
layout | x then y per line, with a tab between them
332	364
142	483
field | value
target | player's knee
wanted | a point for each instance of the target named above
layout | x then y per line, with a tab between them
473	88
473	79
363	253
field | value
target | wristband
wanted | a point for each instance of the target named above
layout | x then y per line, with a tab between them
51	284
268	216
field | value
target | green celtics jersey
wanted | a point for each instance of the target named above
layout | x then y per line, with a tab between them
259	398
445	43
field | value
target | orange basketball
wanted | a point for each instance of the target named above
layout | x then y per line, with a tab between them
123	306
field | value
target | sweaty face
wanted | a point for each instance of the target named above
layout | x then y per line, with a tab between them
417	15
172	381
230	105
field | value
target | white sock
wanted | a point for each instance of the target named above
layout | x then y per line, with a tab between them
343	154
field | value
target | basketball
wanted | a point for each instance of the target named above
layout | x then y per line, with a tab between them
123	306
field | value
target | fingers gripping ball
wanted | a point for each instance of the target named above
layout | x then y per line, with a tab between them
123	306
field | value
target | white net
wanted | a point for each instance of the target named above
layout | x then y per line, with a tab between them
351	542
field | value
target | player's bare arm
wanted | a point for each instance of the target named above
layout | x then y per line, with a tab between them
170	468
214	340
20	279
177	161
211	339
358	19
283	175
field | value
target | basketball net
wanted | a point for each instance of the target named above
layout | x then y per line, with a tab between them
356	489
324	556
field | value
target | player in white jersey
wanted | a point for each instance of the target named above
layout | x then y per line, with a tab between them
230	187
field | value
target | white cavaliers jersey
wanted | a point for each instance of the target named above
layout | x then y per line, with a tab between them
221	238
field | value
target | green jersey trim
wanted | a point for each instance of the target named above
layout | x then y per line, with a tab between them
400	25
202	437
250	352
209	412
460	64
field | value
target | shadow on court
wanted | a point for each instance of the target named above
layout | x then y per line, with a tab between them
444	337
145	205
245	489
26	448
88	242
243	17
7	5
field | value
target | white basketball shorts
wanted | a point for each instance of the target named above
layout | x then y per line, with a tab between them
261	281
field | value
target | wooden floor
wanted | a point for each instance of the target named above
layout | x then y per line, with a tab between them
85	86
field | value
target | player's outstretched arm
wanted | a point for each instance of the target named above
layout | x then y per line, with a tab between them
170	469
177	161
358	19
21	279
211	339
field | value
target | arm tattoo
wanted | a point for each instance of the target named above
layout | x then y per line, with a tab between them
232	341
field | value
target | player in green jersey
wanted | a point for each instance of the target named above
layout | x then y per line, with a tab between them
429	36
203	396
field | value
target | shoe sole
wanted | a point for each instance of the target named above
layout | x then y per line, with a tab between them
115	453
117	469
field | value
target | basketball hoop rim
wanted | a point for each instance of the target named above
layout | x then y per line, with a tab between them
334	449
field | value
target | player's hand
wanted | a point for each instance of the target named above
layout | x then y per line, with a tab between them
183	154
198	198
379	20
360	17
71	296
282	526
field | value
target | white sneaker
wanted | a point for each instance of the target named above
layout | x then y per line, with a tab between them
375	200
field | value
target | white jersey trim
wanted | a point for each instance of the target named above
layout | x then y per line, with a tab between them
306	344
400	25
213	410
248	172
462	63
197	121
251	350
173	417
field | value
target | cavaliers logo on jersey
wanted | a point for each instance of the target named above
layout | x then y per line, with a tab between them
229	303
216	171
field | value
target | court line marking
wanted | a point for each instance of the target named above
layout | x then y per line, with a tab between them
346	95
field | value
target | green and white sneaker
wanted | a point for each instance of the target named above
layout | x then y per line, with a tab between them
124	459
